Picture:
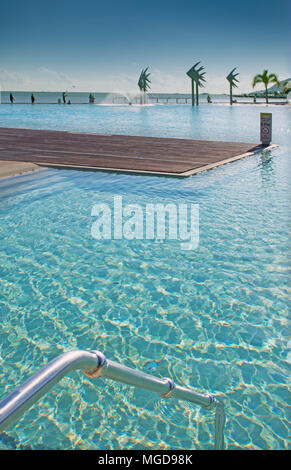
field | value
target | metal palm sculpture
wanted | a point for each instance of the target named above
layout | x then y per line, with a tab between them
231	77
143	84
196	76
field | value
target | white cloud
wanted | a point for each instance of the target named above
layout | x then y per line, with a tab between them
46	79
54	79
41	78
13	80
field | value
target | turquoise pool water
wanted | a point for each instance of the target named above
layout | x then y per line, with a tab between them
215	319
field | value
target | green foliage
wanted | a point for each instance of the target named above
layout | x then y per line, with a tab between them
286	89
266	79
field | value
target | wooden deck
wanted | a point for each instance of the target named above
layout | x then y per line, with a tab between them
154	155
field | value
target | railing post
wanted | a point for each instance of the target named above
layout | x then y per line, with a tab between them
219	425
94	364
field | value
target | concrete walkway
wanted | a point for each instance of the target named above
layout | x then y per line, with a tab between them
8	169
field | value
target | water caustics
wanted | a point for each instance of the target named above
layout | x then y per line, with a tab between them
214	319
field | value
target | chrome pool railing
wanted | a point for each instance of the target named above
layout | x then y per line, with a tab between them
94	364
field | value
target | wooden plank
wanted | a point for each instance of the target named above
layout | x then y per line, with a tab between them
156	155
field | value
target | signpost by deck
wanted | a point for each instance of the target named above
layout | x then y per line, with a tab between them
266	128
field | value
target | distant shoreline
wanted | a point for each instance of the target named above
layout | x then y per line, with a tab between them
260	103
125	98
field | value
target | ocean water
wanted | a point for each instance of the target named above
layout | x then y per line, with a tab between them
216	319
43	97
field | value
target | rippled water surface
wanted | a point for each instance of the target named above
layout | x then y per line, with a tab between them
215	318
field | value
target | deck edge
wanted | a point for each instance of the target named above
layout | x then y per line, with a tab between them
184	174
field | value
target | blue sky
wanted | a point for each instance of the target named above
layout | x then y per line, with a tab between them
102	45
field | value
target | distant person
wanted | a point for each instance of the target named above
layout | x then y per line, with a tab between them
64	97
91	98
69	102
11	98
209	99
255	99
32	98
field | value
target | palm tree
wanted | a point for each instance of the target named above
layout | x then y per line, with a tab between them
287	88
266	79
196	76
143	84
232	79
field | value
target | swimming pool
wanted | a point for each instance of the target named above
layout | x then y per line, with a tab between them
215	318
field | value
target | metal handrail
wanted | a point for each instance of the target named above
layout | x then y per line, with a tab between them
94	364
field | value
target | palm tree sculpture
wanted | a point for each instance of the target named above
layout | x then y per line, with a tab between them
143	84
196	76
231	77
266	79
